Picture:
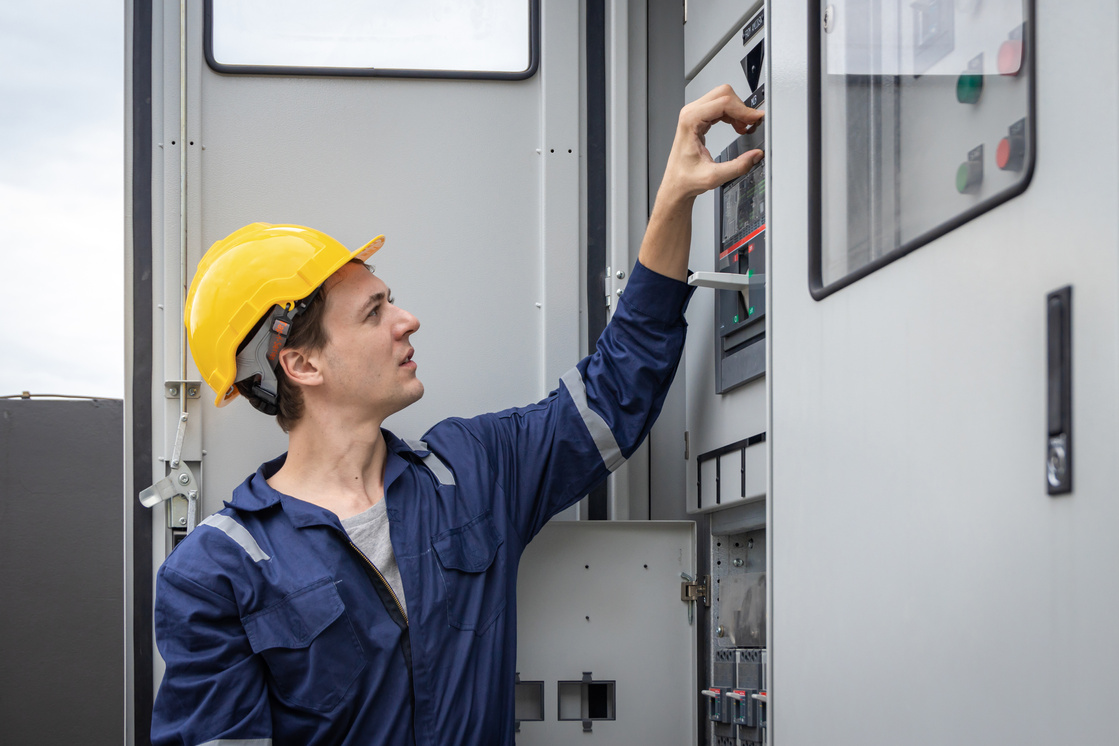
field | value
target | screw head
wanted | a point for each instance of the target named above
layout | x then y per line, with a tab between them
184	479
720	631
192	391
173	390
182	521
621	274
829	19
738	562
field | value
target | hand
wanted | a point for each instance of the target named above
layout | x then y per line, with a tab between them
691	170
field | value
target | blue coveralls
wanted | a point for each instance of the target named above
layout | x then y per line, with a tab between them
275	629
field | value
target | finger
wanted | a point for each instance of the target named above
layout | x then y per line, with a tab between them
717	92
724	172
729	109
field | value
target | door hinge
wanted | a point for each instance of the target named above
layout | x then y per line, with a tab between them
694	590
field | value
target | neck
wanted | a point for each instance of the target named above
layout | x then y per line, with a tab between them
335	464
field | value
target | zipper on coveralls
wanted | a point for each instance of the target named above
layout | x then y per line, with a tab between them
388	587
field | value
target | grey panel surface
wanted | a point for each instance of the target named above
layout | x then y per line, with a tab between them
914	548
604	597
710	24
61	572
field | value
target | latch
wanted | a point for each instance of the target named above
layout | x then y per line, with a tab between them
180	487
693	590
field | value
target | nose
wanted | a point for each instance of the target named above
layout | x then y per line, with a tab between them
406	324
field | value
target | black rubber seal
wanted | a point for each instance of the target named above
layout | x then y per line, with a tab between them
141	445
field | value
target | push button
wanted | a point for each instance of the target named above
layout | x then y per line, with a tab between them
969	87
1010	153
1010	57
969	175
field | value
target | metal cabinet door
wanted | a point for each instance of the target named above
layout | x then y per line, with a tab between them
927	589
603	598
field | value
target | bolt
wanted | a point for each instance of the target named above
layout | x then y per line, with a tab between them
173	390
619	292
183	417
720	632
621	274
738	562
192	391
184	479
193	494
750	544
182	521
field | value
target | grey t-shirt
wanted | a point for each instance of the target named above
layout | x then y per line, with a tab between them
369	530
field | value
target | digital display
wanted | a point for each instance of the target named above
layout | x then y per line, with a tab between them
743	206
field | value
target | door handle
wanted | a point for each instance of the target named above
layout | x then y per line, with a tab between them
1058	461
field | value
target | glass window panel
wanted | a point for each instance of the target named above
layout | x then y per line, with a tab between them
925	121
433	35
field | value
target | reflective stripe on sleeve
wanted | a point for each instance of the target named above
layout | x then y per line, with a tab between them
239	534
442	474
600	432
239	742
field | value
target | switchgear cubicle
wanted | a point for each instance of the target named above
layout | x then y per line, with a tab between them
726	395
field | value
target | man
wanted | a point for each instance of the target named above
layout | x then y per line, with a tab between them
361	588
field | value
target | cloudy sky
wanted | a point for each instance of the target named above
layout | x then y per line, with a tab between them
62	197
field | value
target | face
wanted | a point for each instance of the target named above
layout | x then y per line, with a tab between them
367	362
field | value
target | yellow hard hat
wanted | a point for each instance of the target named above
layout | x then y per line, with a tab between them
244	276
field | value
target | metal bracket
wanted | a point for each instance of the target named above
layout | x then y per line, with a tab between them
171	389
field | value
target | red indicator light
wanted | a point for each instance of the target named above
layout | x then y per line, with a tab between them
1010	57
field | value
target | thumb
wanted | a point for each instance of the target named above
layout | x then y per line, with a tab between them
724	172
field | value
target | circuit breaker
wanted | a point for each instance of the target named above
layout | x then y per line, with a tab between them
740	225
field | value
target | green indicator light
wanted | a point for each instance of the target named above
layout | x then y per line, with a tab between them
968	176
751	311
736	318
961	178
968	88
749	273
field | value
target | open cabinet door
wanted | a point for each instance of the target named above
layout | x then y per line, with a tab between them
242	113
606	650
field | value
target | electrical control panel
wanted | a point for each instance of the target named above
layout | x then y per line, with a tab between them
739	244
922	118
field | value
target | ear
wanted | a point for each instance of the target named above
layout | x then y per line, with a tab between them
300	367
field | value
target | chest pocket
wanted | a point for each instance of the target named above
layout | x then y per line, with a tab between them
473	567
309	646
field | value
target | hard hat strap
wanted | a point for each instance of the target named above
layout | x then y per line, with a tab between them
259	359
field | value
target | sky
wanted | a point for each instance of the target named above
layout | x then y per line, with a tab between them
62	197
